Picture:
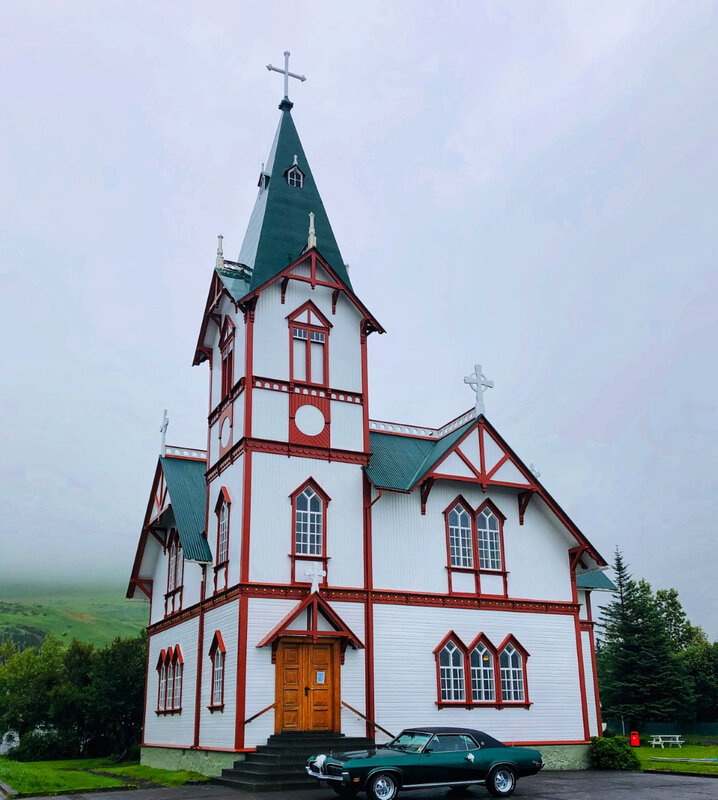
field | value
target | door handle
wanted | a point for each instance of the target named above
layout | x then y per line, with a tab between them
306	691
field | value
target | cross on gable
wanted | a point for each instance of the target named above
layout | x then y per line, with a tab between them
315	573
479	383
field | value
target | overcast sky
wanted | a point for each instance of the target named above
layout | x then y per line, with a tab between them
531	185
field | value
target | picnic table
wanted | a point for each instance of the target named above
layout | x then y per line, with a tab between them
663	739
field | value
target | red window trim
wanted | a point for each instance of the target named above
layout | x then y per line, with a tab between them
293	555
324	328
501	518
173	597
217	644
227	356
172	657
222	498
461	500
469	702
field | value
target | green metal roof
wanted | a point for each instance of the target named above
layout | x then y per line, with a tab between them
237	282
595	580
279	225
188	497
399	462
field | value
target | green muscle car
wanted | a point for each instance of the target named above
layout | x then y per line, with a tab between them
422	758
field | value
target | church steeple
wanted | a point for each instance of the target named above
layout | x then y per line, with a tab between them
277	230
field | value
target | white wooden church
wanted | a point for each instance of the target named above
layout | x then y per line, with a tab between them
316	569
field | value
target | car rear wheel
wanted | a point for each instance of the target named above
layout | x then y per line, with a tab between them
382	786
501	782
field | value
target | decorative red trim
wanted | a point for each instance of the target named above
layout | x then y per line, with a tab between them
242	622
524	498
336	283
203	749
248	365
308	327
482	638
365	395
385	597
319	400
200	659
456	640
368	605
226	350
313	604
424	492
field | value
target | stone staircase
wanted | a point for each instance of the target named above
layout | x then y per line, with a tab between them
280	763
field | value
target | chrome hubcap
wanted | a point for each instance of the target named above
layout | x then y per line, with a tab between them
504	780
384	788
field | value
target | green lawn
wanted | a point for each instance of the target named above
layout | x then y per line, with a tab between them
55	777
646	754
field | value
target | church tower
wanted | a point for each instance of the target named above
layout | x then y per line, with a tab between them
288	431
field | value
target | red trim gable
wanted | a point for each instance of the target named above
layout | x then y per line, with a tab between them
217	644
314	604
315	258
309	306
486	460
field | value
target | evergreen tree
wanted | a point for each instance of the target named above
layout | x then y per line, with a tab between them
640	678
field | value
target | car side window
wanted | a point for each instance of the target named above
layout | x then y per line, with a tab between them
449	744
470	743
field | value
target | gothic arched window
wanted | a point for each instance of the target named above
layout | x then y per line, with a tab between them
452	680
483	677
513	675
461	551
489	530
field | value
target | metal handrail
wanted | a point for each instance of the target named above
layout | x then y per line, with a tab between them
370	721
259	713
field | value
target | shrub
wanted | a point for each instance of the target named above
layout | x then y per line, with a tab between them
612	753
43	746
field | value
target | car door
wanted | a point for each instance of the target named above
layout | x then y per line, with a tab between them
446	760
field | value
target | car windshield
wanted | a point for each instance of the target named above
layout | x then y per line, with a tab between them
412	741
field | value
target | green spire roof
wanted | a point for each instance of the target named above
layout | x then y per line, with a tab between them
278	228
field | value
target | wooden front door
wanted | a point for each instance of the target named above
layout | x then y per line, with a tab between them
307	686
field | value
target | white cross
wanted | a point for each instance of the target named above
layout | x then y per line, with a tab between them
287	74
163	431
479	383
316	573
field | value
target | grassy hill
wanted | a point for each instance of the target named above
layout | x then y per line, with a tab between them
89	613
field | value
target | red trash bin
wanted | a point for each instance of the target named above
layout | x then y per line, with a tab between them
635	739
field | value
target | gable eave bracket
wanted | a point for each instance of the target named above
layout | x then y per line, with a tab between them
424	492
524	498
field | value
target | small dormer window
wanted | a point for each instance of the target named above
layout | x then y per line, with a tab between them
295	177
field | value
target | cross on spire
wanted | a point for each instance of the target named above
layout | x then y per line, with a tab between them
479	383
287	74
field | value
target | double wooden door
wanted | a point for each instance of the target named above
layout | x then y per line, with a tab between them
307	686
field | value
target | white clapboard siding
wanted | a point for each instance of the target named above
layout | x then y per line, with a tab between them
347	426
217	728
274	478
353	671
590	687
405	671
232	479
264	615
172	729
398	527
270	414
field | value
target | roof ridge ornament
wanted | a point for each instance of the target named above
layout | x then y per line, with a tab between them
312	238
219	263
479	383
286	103
163	431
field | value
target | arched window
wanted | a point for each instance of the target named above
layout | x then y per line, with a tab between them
512	675
217	655
169	691
175	574
483	680
451	673
295	177
178	668
460	545
226	346
223	534
162	693
489	535
309	523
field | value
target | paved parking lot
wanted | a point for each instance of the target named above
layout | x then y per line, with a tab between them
586	785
